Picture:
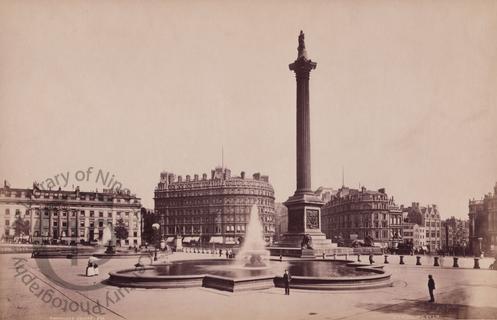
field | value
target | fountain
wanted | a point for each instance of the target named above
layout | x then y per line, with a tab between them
107	238
252	270
253	251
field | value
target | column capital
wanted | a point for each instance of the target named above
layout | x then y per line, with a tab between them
302	66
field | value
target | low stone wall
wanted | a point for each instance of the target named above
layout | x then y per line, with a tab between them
367	250
308	253
28	248
134	278
235	285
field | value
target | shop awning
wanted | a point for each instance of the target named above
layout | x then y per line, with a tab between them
216	239
196	239
187	239
170	239
230	241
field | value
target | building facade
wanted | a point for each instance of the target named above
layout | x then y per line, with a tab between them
148	218
66	216
428	220
413	234
215	210
455	236
483	224
281	221
363	214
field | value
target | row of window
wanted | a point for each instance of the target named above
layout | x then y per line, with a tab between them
62	233
211	191
72	196
332	208
433	224
64	223
207	201
72	213
208	229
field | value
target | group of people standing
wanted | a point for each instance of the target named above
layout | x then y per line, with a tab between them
229	253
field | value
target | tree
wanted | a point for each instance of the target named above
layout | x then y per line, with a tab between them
121	230
21	227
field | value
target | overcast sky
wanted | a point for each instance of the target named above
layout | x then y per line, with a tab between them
404	95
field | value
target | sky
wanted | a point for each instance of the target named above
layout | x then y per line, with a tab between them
403	97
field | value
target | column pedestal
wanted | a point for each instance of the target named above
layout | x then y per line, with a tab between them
304	237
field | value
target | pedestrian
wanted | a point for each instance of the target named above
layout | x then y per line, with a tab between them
220	252
431	287
95	269
371	261
90	271
286	281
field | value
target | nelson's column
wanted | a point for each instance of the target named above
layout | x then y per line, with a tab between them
304	237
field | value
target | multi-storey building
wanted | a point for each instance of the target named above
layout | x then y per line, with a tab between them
455	236
412	233
362	214
281	220
214	210
483	223
67	216
149	217
428	219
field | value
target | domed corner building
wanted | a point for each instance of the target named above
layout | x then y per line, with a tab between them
205	212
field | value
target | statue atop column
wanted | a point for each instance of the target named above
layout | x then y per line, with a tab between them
301	49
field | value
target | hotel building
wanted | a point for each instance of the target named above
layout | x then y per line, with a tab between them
216	210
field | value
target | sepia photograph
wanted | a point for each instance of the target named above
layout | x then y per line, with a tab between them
252	160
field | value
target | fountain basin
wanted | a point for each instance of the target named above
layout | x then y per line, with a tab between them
238	284
225	275
137	279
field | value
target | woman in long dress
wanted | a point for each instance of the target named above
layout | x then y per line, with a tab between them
90	271
95	269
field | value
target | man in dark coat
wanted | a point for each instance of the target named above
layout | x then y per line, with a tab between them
286	282
431	287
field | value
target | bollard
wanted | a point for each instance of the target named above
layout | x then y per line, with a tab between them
477	263
435	263
418	260
401	259
358	258
455	265
386	259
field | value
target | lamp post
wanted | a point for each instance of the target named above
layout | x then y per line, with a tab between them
156	228
480	239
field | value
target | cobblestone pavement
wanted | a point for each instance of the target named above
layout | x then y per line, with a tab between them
462	293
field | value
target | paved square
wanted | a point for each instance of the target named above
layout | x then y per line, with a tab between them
462	293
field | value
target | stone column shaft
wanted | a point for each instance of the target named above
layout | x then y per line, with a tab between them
303	133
